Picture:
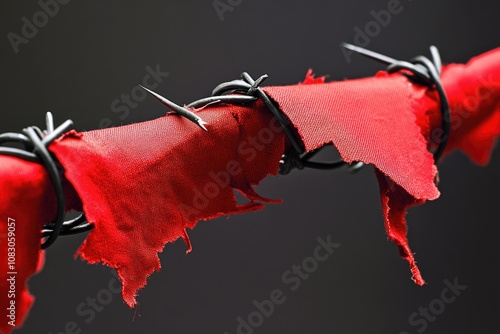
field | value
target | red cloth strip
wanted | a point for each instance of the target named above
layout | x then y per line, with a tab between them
390	123
145	184
25	205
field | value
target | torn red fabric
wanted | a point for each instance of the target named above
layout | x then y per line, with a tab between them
22	214
474	94
395	203
146	184
370	120
390	123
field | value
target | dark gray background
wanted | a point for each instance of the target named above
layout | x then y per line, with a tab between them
91	52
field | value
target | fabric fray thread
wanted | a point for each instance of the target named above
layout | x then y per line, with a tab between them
392	124
146	184
150	182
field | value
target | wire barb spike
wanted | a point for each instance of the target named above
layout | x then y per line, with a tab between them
370	54
425	72
182	111
49	121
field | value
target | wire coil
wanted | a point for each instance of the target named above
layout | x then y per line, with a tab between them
243	91
422	71
35	144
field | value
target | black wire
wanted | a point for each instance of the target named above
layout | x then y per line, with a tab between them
74	226
248	90
51	168
242	92
434	69
35	144
423	71
427	73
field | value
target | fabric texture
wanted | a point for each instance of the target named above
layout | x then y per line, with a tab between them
370	120
390	123
149	182
146	184
24	199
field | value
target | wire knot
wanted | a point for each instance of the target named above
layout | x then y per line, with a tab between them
36	143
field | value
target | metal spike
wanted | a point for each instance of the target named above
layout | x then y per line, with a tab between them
184	112
436	58
256	84
355	167
370	54
49	121
201	124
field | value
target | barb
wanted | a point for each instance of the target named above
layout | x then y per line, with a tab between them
35	144
425	72
184	112
49	121
242	91
386	60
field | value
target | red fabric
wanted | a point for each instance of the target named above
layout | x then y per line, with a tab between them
390	123
395	202
149	182
370	120
474	94
143	185
25	194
